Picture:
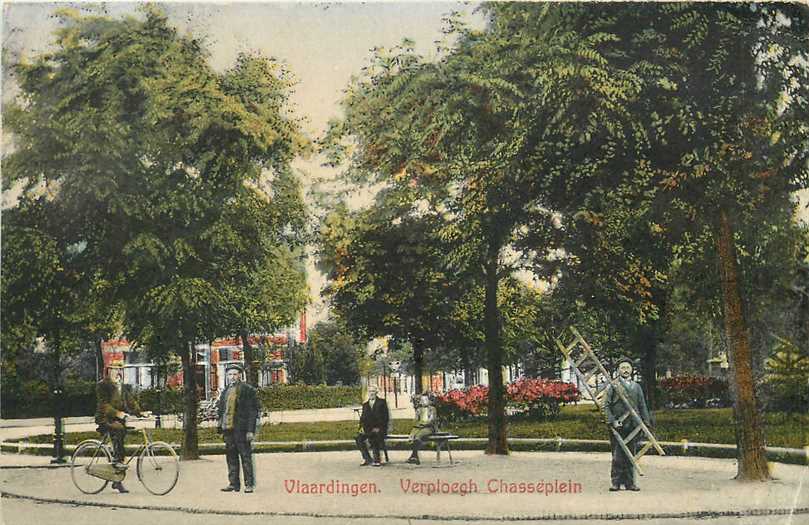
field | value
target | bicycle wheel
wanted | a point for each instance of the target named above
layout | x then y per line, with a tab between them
158	468
89	452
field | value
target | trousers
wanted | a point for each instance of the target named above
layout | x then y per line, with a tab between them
117	434
419	436
374	439
622	472
237	449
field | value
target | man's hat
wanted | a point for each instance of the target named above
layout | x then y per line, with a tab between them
234	366
625	359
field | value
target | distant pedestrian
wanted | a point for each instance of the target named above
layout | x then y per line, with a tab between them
622	470
238	411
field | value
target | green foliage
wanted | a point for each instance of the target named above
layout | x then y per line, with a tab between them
786	394
305	365
171	179
299	397
340	351
189	149
33	399
786	383
161	400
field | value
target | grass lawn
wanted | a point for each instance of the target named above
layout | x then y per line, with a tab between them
580	422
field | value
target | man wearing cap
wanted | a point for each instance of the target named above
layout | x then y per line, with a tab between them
114	401
622	471
238	411
374	423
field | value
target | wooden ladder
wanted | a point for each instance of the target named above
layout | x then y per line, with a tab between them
578	353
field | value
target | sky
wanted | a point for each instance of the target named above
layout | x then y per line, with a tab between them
323	44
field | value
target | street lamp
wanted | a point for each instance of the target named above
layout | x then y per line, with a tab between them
58	433
394	366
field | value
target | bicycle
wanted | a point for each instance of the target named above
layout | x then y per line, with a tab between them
92	468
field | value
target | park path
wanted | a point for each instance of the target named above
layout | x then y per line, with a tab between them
476	487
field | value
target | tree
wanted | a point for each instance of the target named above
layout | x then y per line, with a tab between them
262	234
440	130
388	276
49	298
143	148
341	352
696	108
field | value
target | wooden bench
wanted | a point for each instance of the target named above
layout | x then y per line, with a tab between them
441	440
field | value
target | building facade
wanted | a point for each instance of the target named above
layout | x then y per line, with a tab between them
211	361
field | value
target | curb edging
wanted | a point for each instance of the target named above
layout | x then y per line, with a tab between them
793	456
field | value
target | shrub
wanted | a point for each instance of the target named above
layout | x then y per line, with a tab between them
297	397
163	401
34	399
694	391
786	394
533	398
540	399
461	405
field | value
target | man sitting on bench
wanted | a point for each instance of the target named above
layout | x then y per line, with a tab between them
374	425
424	426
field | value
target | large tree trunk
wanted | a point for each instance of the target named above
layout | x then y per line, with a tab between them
752	461
498	443
250	369
190	448
418	364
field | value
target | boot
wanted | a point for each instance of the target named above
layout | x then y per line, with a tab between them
117	485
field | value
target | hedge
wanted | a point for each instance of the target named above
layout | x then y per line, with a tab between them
34	399
168	401
297	397
272	398
694	392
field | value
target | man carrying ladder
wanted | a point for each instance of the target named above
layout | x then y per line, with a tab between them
623	405
622	471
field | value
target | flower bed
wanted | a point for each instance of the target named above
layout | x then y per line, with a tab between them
694	392
537	399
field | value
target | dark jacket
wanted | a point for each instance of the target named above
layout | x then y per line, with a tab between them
246	408
375	417
615	408
110	401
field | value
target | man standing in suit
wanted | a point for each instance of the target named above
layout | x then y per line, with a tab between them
622	471
374	422
238	411
114	402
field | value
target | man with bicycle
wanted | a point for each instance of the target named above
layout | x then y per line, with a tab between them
115	401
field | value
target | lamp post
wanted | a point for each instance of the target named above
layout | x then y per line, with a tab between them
58	433
394	366
158	422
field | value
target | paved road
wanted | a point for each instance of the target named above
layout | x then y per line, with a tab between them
479	487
